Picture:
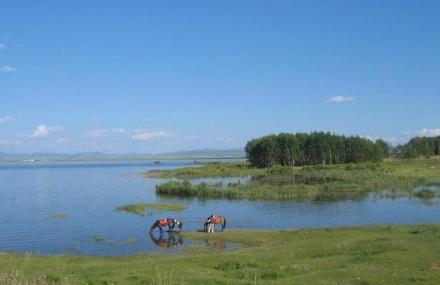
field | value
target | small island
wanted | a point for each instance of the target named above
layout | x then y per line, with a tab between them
316	166
140	209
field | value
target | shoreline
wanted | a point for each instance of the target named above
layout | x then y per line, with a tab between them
314	183
303	256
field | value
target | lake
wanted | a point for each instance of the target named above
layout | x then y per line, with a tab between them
68	208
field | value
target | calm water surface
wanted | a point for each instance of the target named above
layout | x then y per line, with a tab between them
57	208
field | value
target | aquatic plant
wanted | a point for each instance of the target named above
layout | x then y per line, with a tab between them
98	238
425	194
391	255
140	209
206	170
58	216
354	181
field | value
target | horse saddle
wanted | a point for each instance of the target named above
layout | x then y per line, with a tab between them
163	222
215	219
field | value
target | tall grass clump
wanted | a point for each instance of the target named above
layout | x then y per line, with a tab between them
16	277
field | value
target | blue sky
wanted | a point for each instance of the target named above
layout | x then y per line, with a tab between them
157	76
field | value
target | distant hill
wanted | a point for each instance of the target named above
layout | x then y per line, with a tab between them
205	153
191	154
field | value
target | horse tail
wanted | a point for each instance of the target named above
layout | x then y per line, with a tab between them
224	223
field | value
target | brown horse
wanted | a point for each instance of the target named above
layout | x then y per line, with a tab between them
213	220
166	222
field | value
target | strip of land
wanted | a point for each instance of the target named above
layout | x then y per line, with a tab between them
140	209
393	177
359	255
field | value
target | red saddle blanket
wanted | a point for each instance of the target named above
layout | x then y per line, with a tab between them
163	222
215	219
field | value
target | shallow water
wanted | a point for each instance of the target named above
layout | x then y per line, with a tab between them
57	208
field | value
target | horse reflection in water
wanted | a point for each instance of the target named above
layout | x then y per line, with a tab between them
169	240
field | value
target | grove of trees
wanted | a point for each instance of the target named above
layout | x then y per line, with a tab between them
420	146
301	149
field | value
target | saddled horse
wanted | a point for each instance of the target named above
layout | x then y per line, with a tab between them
166	222
213	220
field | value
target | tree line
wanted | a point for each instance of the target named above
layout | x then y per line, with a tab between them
301	149
419	146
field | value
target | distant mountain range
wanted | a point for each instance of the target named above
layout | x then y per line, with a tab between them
190	154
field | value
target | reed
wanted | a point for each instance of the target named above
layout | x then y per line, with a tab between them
392	178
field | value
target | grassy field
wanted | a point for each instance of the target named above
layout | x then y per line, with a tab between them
361	255
140	209
398	177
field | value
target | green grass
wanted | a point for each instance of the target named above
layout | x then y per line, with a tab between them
58	216
140	209
214	169
398	177
360	255
98	238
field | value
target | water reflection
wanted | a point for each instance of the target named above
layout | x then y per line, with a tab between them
216	245
168	239
173	240
32	209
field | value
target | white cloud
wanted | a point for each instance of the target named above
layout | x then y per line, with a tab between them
97	134
7	69
340	99
6	119
3	46
429	132
372	138
145	136
43	130
391	140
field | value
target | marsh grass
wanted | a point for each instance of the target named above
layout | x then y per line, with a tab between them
392	255
16	277
317	183
130	241
425	194
98	238
58	216
140	209
214	169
